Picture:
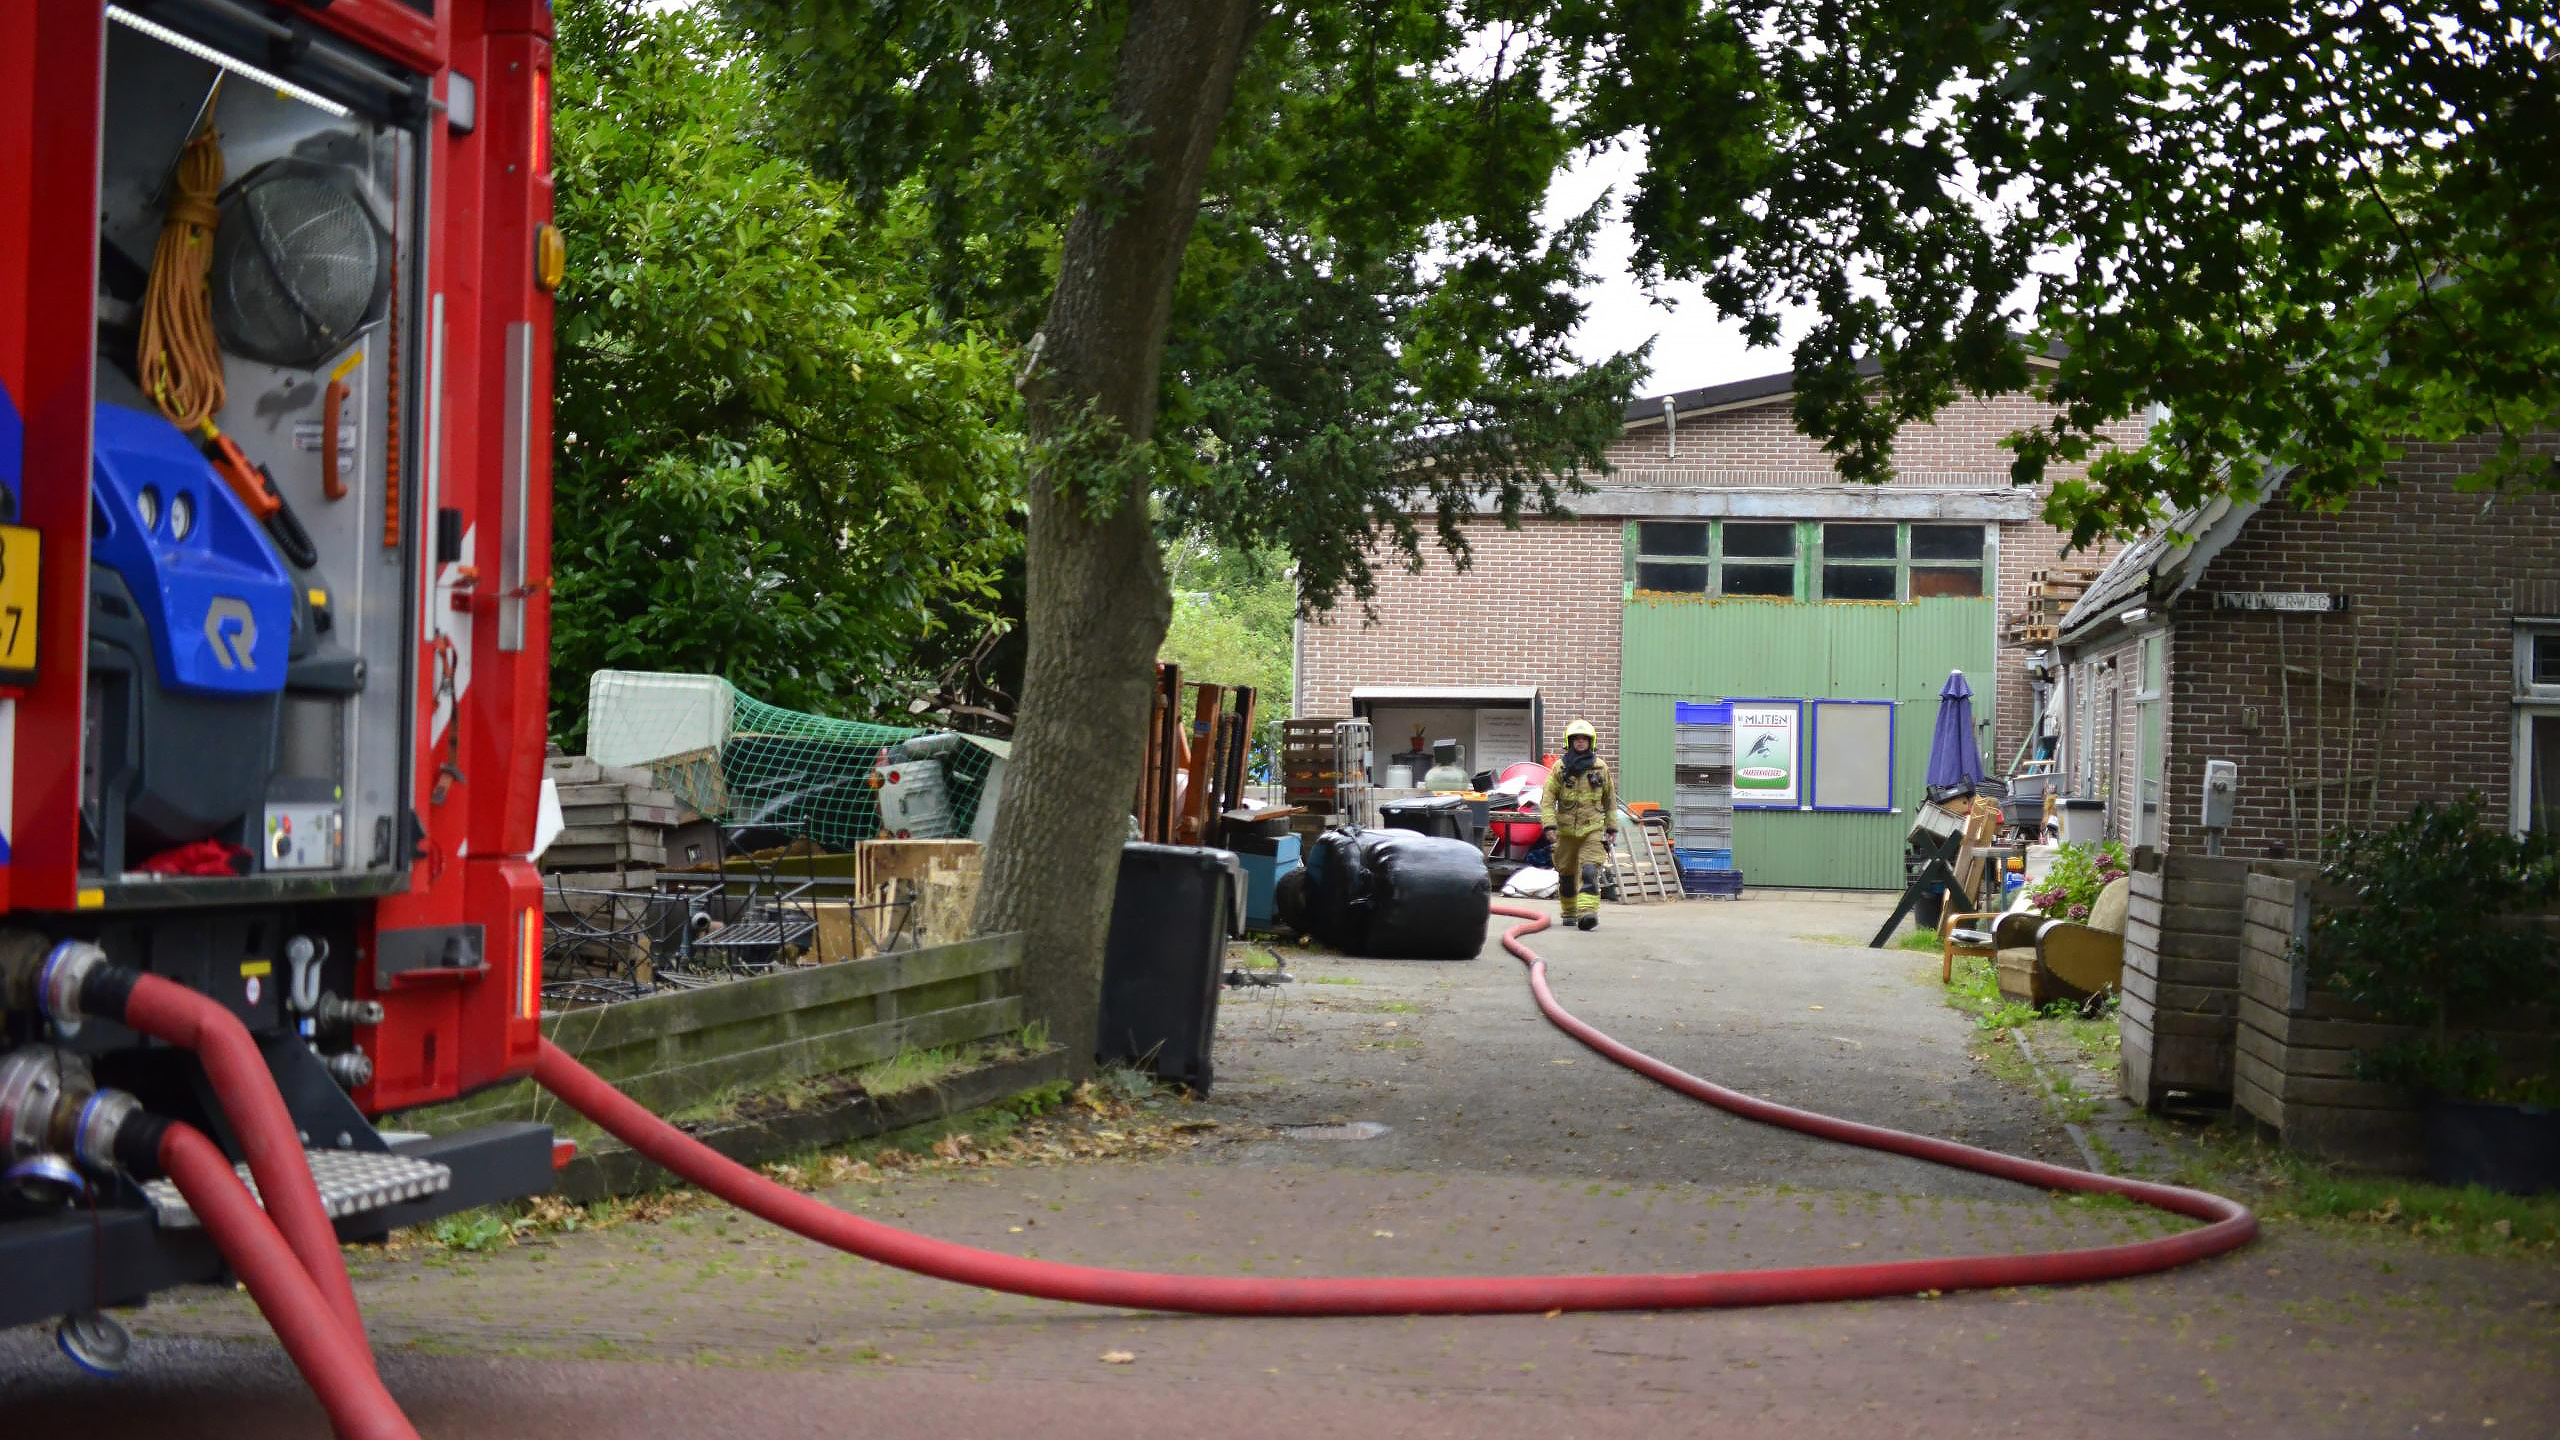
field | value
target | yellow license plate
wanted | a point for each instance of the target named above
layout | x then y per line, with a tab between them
21	594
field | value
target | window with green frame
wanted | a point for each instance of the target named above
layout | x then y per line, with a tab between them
1714	557
1871	560
1808	560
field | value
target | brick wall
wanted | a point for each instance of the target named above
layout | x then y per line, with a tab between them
1561	582
1539	606
2431	571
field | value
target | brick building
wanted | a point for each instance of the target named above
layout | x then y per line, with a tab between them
2401	650
1720	557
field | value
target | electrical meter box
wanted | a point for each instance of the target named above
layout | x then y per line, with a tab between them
2221	793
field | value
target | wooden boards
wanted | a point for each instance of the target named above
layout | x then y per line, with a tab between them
2180	995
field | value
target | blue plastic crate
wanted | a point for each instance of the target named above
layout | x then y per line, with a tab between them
1702	859
1701	712
1712	884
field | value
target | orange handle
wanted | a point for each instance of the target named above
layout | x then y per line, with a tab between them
243	478
330	484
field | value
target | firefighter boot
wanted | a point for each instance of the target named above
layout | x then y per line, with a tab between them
1587	904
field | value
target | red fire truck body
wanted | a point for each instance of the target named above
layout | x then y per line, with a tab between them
273	689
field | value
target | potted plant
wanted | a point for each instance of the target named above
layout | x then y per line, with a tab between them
2079	872
2447	926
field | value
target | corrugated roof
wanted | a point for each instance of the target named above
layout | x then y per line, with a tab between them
2131	575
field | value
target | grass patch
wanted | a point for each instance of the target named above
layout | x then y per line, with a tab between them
906	1071
913	1069
2236	1159
1924	941
2061	1033
1332	980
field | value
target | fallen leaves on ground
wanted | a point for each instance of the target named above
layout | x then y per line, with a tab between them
1095	1123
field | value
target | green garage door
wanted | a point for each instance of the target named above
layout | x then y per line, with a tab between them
1705	649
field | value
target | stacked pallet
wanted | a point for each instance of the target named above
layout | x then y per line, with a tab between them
2050	596
1702	799
614	821
2181	986
1325	765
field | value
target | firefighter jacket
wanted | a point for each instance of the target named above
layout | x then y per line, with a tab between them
1583	805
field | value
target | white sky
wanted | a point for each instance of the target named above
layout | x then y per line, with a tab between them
1692	347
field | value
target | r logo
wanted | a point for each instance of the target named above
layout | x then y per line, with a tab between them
233	632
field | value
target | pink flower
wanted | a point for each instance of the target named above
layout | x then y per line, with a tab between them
2079	912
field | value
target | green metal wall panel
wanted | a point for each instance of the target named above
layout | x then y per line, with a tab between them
1943	635
1693	650
1866	647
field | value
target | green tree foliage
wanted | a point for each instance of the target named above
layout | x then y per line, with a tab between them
1370	319
1234	616
2312	229
774	465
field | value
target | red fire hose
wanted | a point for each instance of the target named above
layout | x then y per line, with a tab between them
329	1346
166	1010
331	1356
2230	1223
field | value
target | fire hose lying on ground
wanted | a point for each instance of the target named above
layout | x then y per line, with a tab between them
291	1265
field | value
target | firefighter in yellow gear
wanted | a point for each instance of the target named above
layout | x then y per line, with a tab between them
1580	810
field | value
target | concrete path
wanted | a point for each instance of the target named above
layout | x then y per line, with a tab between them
1507	1149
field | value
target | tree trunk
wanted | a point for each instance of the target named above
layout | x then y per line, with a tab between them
1096	599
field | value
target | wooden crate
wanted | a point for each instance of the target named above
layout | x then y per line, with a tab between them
624	853
2180	996
695	778
2295	1066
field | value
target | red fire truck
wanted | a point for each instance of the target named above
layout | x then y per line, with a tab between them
275	357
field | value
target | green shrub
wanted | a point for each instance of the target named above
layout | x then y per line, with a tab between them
2437	935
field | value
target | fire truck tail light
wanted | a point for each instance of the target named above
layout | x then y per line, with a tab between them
529	965
541	121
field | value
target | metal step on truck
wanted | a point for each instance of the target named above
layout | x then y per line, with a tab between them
275	357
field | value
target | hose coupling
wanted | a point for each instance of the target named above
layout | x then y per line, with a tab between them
337	1012
32	1087
62	989
352	1069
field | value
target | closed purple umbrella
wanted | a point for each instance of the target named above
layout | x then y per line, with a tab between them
1955	762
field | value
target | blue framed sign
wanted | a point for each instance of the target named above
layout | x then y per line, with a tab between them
1849	755
1768	754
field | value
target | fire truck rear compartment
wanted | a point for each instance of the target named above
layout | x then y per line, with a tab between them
250	716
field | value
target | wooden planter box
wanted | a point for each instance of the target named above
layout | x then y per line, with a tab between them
2181	991
2296	1067
686	1048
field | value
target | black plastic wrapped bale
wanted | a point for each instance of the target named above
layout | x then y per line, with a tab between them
1429	896
1161	967
1337	890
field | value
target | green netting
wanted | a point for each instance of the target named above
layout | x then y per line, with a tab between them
788	770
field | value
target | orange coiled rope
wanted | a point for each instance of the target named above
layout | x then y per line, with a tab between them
181	363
